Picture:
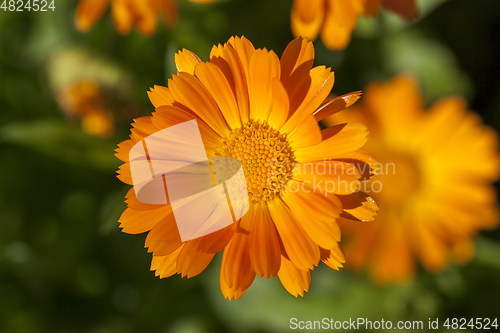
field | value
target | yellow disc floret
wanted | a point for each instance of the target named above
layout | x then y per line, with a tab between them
266	156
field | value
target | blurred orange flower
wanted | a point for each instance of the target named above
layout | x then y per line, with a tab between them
336	19
254	107
434	182
84	101
127	13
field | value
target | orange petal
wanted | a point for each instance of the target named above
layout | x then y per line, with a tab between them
124	173
280	105
122	16
296	63
325	234
160	95
244	48
306	134
88	13
322	80
146	18
392	259
232	292
218	86
298	55
143	127
191	93
361	238
263	67
323	208
139	221
186	61
237	273
432	249
123	149
364	162
192	260
340	139
227	59
307	17
335	258
358	206
264	248
165	266
135	204
401	93
301	249
294	280
341	18
164	238
336	104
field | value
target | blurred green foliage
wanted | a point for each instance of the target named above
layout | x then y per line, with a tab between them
66	267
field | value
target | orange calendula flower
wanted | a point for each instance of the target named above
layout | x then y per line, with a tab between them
433	184
336	19
127	13
263	111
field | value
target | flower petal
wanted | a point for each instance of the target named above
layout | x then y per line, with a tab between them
307	17
228	61
358	206
336	104
192	260
88	13
306	134
280	105
301	249
218	86
321	84
160	95
392	259
237	273
139	221
263	67
341	18
264	247
294	280
164	237
337	140
143	127
165	266
325	234
122	16
335	258
191	93
186	61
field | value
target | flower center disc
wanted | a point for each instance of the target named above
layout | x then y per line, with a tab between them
266	156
